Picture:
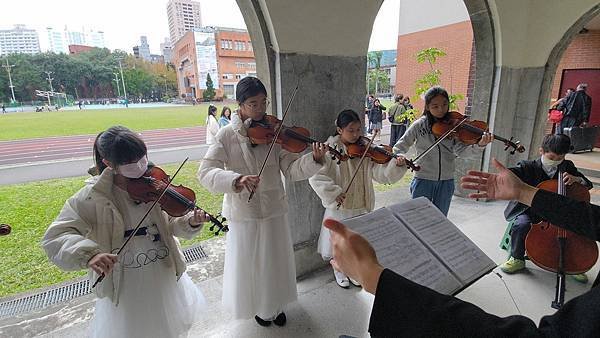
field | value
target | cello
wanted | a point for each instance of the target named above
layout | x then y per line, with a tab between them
558	250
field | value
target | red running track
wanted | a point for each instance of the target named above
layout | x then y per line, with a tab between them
69	147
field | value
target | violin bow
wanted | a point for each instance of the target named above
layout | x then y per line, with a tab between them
362	158
101	277
277	132
440	139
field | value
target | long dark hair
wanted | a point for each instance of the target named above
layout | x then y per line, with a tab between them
212	110
225	108
248	87
429	95
119	145
345	117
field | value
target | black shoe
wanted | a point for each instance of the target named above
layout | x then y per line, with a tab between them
280	320
262	322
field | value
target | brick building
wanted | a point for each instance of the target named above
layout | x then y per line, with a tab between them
76	49
452	33
224	53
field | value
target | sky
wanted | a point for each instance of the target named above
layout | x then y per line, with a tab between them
124	21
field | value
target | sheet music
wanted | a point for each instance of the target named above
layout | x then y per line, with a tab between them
399	250
455	249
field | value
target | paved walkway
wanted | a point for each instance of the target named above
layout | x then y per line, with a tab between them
323	309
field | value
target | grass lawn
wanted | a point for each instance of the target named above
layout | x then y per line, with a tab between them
404	182
77	122
29	208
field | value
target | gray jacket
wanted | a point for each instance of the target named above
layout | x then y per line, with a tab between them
438	164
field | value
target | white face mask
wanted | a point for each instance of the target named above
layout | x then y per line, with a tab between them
550	163
134	170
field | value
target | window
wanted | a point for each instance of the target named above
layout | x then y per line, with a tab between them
238	76
229	90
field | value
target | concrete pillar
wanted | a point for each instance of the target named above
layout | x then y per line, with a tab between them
327	85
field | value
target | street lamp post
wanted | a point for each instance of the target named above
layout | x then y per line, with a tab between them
123	81
51	89
12	88
116	79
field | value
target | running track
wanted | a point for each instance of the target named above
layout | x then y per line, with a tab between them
70	147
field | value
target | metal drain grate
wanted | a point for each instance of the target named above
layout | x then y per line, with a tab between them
70	291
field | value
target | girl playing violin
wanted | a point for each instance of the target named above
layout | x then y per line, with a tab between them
146	292
260	274
331	181
435	180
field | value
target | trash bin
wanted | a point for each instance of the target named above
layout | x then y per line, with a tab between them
582	138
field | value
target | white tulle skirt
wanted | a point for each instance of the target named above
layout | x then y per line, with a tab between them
324	244
260	272
152	302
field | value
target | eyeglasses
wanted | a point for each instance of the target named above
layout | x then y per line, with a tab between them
256	105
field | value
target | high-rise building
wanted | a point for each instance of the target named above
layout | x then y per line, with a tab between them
59	41
19	40
56	41
166	48
184	16
144	48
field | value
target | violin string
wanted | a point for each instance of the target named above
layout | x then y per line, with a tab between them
509	293
101	277
287	108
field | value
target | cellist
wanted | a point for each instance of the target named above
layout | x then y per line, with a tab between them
533	172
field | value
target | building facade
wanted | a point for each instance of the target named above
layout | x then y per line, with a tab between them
76	49
166	48
59	40
448	28
183	16
235	58
224	53
20	39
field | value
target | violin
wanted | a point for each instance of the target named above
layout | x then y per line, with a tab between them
176	201
377	153
559	250
5	229
293	139
469	131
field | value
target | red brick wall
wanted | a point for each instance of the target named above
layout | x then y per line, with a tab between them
456	40
583	52
185	48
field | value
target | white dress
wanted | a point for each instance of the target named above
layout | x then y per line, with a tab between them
152	303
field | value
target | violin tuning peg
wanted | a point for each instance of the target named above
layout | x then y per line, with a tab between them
212	227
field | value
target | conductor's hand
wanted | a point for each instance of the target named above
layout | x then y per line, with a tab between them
504	185
353	255
102	263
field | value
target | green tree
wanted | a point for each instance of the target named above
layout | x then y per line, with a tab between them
374	61
378	77
209	93
432	77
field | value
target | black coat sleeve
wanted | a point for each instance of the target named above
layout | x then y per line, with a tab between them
405	309
577	216
572	169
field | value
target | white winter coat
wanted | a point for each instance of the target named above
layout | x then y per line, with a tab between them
232	156
90	223
332	179
212	128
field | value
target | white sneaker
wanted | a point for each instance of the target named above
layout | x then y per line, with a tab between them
341	279
354	282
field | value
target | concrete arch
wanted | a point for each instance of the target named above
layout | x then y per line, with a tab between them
550	70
